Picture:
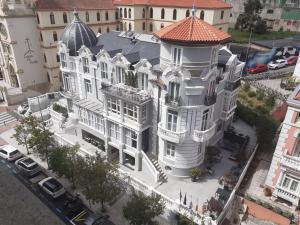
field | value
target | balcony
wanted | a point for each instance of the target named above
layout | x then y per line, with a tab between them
205	135
126	93
172	101
210	99
287	195
226	115
172	136
232	85
291	162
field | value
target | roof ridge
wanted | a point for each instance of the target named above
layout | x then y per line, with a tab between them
191	28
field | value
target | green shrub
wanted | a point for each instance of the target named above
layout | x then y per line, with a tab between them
287	214
250	103
266	205
270	101
248	197
277	210
259	202
260	94
246	87
60	109
252	94
261	109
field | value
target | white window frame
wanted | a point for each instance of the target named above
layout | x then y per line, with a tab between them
144	81
144	112
130	111
63	60
120	72
174	90
170	150
288	182
177	56
67	82
113	105
87	85
85	65
205	119
114	130
104	71
172	120
130	138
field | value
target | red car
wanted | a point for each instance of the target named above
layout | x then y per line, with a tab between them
259	68
292	61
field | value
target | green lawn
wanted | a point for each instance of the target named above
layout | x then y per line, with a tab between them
243	37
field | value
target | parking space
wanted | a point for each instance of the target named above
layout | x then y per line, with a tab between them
68	208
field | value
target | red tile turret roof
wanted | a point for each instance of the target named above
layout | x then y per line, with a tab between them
192	30
55	5
202	4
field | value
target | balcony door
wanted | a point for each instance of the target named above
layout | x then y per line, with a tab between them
205	118
174	90
172	120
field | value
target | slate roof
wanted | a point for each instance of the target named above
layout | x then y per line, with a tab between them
77	34
193	30
202	4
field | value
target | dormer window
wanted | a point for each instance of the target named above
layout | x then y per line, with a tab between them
177	56
120	75
104	73
144	81
63	60
174	90
88	86
85	64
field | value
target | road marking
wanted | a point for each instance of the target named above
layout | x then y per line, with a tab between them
79	218
70	220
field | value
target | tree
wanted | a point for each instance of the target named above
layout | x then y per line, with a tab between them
64	161
24	130
99	181
142	209
131	79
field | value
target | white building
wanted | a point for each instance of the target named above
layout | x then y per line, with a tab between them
185	95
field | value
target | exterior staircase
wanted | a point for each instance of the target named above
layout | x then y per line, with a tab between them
162	176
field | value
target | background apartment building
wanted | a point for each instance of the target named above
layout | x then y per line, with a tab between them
150	16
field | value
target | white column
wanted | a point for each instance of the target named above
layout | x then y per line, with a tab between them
122	111
139	119
139	141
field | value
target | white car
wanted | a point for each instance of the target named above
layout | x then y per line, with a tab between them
28	167
10	153
52	187
277	64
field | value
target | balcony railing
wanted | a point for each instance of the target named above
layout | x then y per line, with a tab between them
232	85
172	101
225	115
205	135
210	99
287	195
127	93
291	162
172	136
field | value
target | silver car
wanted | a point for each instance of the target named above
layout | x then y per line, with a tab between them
52	187
28	167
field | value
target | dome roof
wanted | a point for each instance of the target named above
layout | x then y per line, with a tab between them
77	34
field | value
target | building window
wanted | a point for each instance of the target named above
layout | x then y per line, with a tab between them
121	12
129	27
151	13
290	183
113	105
144	83
199	149
170	150
54	36
38	18
144	13
177	55
174	90
114	131
144	26
45	58
187	13
150	27
172	120
57	58
107	30
211	88
98	16
202	15
63	60
67	82
174	14
222	15
130	138
88	86
87	17
270	11
144	113
65	17
99	30
162	26
85	64
125	13
52	19
162	14
106	16
120	75
204	120
41	36
129	13
104	73
116	15
130	111
48	77
99	125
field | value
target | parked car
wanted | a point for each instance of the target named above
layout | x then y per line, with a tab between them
73	206
277	64
28	167
10	153
98	219
23	108
259	68
52	187
292	61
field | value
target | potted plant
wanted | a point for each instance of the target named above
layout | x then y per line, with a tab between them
195	173
267	191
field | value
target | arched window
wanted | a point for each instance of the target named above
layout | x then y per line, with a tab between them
48	77
151	13
54	36
202	15
41	36
106	15
57	58
98	16
45	58
162	26
174	14
144	26
99	30
222	15
121	12
65	17
38	18
129	27
187	14
125	26
144	13
129	13
125	13
162	14
117	15
150	27
52	19
87	17
107	30
121	26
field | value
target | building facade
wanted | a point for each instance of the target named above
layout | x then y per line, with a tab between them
284	176
151	16
21	71
159	96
